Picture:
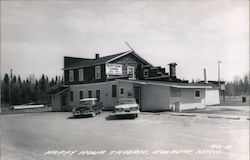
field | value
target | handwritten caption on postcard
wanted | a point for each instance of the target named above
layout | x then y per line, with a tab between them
214	149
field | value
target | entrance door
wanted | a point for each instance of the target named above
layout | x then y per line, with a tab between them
137	95
98	94
63	100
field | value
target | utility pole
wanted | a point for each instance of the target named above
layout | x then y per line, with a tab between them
219	62
10	90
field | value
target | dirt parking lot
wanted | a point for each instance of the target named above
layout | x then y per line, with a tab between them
153	136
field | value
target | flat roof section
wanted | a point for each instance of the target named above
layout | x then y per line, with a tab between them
169	84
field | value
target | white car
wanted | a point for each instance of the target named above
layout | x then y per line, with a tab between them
127	106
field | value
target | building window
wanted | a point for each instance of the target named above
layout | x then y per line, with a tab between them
121	91
71	96
90	94
130	95
97	72
81	94
197	93
71	75
175	92
114	88
80	75
54	97
98	94
145	73
131	72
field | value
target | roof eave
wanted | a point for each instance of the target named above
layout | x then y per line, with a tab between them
83	66
193	87
126	53
119	56
167	85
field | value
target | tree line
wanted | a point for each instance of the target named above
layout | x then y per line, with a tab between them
29	90
33	90
238	87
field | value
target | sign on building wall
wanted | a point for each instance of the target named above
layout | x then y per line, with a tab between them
222	87
113	69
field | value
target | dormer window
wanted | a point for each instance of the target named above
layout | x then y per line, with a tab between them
97	72
80	75
71	75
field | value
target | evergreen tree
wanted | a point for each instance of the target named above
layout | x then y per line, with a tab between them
56	79
29	90
36	91
43	84
14	80
246	85
5	88
52	82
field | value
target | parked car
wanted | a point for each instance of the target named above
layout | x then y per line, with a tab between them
127	106
88	106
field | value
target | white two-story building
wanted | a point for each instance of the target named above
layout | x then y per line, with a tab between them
126	75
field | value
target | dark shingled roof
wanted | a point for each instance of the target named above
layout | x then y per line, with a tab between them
92	62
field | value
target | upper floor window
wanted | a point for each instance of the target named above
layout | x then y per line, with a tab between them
131	72
80	75
71	75
97	72
197	93
145	73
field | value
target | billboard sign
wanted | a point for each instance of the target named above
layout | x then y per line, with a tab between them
113	69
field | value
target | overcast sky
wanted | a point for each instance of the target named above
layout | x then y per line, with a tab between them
195	34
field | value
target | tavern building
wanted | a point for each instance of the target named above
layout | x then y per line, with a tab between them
127	75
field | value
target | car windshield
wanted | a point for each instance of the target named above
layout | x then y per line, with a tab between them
86	103
82	108
126	101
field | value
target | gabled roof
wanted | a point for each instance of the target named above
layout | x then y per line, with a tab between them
92	62
101	60
133	52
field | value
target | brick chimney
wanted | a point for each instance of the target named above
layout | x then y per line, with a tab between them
172	70
97	56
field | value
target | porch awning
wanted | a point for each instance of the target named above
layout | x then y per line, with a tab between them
58	89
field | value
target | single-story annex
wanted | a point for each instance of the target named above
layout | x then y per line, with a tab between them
127	75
